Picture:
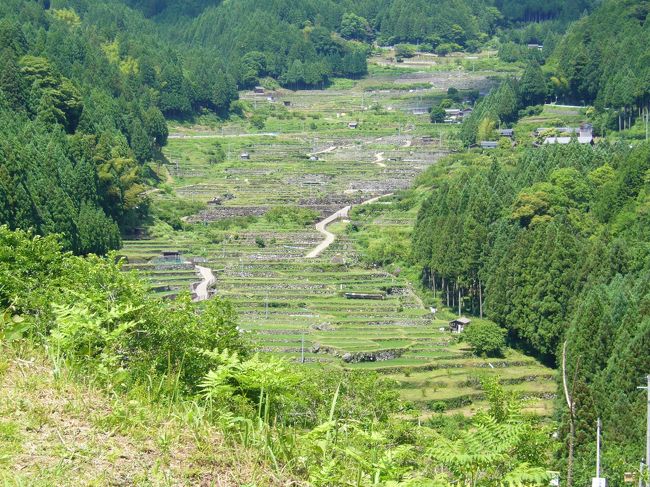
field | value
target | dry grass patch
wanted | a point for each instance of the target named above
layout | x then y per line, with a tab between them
56	431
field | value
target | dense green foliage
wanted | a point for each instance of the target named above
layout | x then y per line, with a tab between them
604	60
302	44
604	56
553	244
486	338
79	125
532	10
505	104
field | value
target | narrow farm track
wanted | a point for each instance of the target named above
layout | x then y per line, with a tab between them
379	158
324	151
208	279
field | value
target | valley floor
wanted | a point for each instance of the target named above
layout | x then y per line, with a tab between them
306	156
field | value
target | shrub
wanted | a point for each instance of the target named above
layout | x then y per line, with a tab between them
404	50
439	407
291	216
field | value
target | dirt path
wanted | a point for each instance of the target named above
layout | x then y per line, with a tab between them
219	136
329	236
379	157
150	191
201	290
324	151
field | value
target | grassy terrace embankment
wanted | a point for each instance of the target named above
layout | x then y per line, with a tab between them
296	307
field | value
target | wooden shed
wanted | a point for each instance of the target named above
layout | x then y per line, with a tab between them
459	324
171	256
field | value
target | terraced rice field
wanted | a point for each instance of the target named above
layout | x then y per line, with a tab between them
296	307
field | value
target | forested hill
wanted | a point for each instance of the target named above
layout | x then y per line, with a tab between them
79	121
604	58
304	43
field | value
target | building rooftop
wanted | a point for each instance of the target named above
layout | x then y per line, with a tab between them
462	320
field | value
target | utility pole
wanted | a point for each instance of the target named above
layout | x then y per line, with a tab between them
647	438
598	481
598	449
302	349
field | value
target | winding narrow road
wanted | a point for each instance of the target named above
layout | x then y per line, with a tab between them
202	290
329	236
379	158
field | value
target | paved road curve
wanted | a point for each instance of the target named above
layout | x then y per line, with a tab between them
208	279
329	236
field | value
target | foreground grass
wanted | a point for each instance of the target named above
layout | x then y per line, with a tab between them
57	429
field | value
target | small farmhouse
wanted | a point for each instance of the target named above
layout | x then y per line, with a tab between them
259	90
507	133
353	125
459	324
489	144
245	156
583	134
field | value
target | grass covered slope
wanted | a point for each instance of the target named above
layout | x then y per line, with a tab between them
57	428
